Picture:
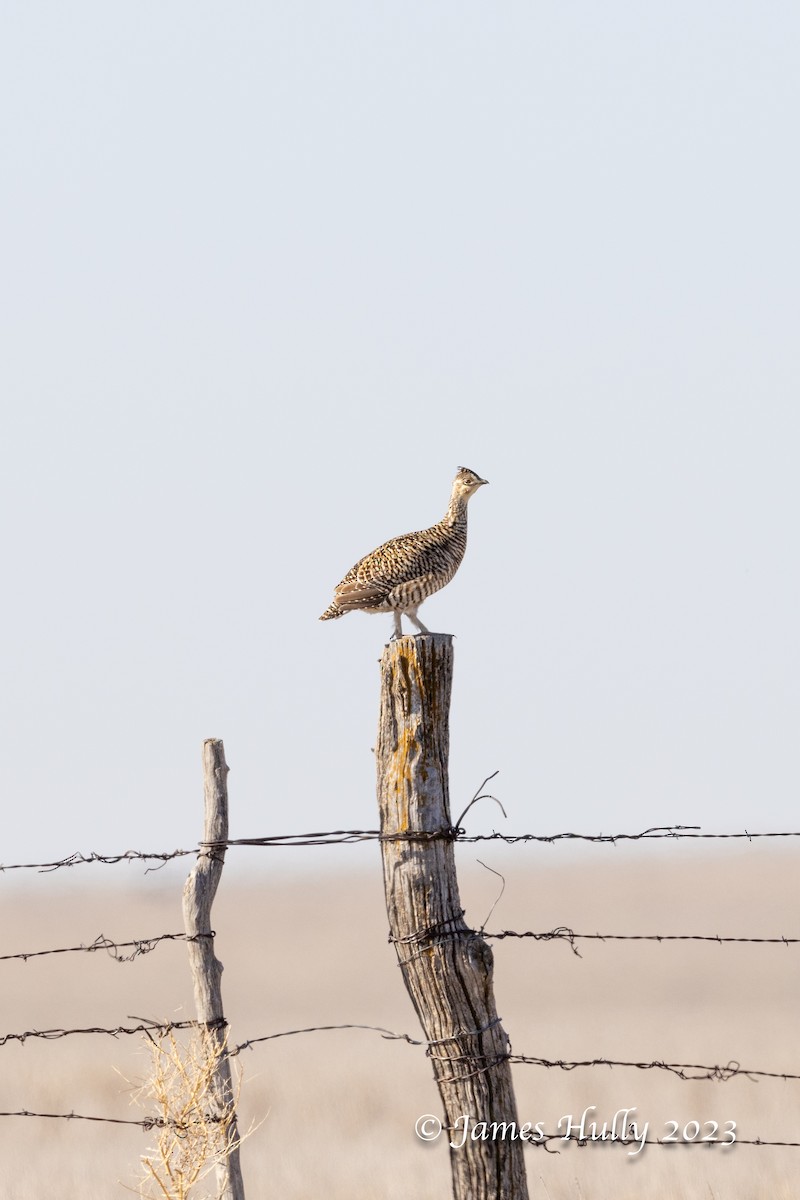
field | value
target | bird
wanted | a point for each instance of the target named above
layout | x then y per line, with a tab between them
404	571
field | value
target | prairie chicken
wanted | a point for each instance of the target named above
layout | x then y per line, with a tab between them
403	572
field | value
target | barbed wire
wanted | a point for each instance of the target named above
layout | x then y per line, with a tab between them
140	946
149	1123
146	1026
145	1123
564	933
343	837
703	1072
675	832
78	859
162	1028
690	1072
710	1072
386	1034
716	1072
458	834
145	945
584	1142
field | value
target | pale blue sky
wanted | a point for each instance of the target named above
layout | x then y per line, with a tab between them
270	274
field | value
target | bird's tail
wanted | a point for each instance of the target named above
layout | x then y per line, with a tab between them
332	613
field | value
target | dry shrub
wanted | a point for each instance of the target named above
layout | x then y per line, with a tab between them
193	1117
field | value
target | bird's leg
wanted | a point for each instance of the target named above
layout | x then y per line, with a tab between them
411	613
398	628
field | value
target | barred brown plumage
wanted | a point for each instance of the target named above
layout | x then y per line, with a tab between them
403	572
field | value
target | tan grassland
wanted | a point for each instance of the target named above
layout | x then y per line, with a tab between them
335	1111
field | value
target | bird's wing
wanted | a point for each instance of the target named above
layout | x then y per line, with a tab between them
360	595
403	558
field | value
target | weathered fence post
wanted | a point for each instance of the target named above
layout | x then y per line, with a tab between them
447	968
198	896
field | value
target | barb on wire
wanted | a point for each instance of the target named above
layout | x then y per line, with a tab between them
139	946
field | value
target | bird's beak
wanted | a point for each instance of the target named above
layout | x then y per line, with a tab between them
481	481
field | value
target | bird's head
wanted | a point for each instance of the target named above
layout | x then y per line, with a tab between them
466	482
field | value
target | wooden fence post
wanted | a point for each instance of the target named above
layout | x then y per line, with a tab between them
198	896
447	968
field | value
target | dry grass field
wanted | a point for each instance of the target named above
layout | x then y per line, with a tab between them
334	1112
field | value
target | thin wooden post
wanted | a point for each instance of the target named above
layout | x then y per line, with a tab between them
198	896
447	968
